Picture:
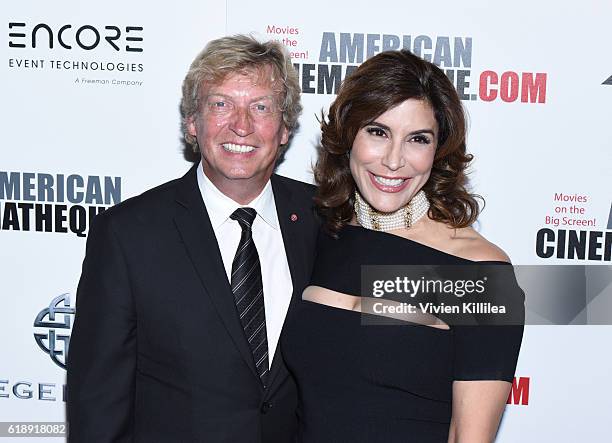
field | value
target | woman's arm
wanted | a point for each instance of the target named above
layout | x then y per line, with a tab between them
477	409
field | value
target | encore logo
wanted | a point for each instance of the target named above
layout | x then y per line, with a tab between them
87	37
519	393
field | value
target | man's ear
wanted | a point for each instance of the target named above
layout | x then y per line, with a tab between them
191	127
285	135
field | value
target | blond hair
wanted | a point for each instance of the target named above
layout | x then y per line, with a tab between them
235	54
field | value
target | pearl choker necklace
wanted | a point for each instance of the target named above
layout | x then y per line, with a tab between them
370	218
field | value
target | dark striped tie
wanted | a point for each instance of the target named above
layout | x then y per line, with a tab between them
248	291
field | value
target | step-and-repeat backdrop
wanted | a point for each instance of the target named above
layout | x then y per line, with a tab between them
90	96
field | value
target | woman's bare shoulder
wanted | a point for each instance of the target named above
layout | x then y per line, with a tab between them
473	246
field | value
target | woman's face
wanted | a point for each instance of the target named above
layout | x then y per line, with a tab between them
392	155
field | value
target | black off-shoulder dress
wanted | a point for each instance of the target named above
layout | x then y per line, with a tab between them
383	383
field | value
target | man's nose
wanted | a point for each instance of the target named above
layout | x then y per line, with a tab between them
241	123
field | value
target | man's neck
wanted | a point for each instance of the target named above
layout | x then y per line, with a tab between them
242	191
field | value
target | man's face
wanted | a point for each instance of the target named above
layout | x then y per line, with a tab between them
239	129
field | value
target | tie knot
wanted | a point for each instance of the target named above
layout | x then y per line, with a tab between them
244	216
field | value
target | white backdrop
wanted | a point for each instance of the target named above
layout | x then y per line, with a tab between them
124	124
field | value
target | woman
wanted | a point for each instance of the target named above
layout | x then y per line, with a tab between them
391	176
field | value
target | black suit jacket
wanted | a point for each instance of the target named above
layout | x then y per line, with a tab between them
157	352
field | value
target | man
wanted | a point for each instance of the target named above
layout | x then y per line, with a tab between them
185	288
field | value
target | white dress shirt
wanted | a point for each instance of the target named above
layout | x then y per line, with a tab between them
275	274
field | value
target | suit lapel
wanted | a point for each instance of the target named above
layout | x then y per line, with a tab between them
194	226
291	218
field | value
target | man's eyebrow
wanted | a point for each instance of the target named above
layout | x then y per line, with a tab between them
271	97
215	94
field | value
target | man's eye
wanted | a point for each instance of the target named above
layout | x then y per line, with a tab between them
261	107
378	132
218	104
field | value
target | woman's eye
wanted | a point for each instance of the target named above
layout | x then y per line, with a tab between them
378	132
421	139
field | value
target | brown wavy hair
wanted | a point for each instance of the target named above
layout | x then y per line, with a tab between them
379	84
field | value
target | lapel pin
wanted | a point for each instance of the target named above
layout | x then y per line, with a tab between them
293	217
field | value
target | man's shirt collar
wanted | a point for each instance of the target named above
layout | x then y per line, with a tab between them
220	206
